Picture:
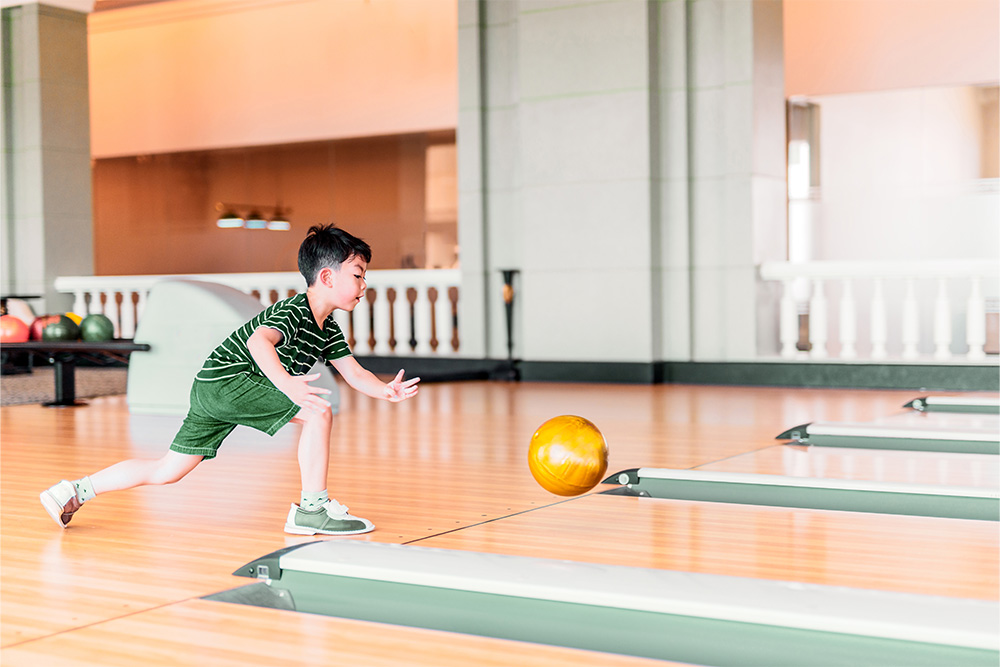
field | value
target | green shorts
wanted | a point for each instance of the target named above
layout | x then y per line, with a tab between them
219	406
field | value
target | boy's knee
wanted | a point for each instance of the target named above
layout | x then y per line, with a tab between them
168	470
168	476
320	417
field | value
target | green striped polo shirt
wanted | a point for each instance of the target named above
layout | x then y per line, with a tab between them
302	342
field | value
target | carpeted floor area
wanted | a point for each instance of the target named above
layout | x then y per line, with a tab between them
39	385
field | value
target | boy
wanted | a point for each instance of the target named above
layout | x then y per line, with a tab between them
256	377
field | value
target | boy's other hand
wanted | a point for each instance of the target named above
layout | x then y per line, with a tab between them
397	390
304	394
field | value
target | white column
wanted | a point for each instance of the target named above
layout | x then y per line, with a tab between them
975	321
422	313
879	327
789	323
848	322
442	315
911	321
128	315
362	327
79	303
382	321
111	310
140	306
942	322
818	321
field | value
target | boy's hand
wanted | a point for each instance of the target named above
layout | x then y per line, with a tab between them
303	394
397	390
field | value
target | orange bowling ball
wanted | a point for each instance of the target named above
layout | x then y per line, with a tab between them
568	455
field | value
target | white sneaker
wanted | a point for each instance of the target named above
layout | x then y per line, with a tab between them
60	502
329	519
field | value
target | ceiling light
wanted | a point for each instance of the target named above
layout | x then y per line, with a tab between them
256	221
229	220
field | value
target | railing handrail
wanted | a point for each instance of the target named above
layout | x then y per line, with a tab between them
930	268
411	277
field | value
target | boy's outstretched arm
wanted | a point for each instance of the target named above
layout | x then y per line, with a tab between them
261	345
367	383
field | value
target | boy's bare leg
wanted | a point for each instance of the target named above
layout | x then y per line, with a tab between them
317	513
62	500
172	467
314	448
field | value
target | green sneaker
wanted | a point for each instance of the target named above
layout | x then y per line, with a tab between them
330	519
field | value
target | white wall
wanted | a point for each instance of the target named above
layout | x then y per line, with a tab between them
900	177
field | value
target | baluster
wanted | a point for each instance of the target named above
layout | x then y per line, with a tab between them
111	310
351	339
411	298
140	307
264	296
817	321
848	322
432	296
342	318
383	324
453	298
361	323
422	316
975	321
128	315
788	321
79	303
942	322
879	325
911	321
390	295
370	297
442	318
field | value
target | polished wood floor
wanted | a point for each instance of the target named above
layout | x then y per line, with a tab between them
122	585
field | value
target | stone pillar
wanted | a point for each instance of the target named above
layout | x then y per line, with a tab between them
46	213
628	158
736	166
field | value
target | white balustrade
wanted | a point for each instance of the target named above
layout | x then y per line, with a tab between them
911	322
975	315
818	321
942	322
911	308
848	322
99	294
879	321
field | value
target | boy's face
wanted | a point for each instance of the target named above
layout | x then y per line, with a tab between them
348	283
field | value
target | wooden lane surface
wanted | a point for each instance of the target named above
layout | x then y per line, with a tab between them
201	632
920	555
450	459
932	468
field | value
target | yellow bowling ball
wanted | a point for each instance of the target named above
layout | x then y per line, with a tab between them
568	455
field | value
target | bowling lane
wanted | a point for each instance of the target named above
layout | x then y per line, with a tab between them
922	555
896	466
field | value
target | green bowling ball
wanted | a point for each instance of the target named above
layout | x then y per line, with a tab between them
96	328
61	330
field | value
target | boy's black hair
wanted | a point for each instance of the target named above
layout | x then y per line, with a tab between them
329	246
